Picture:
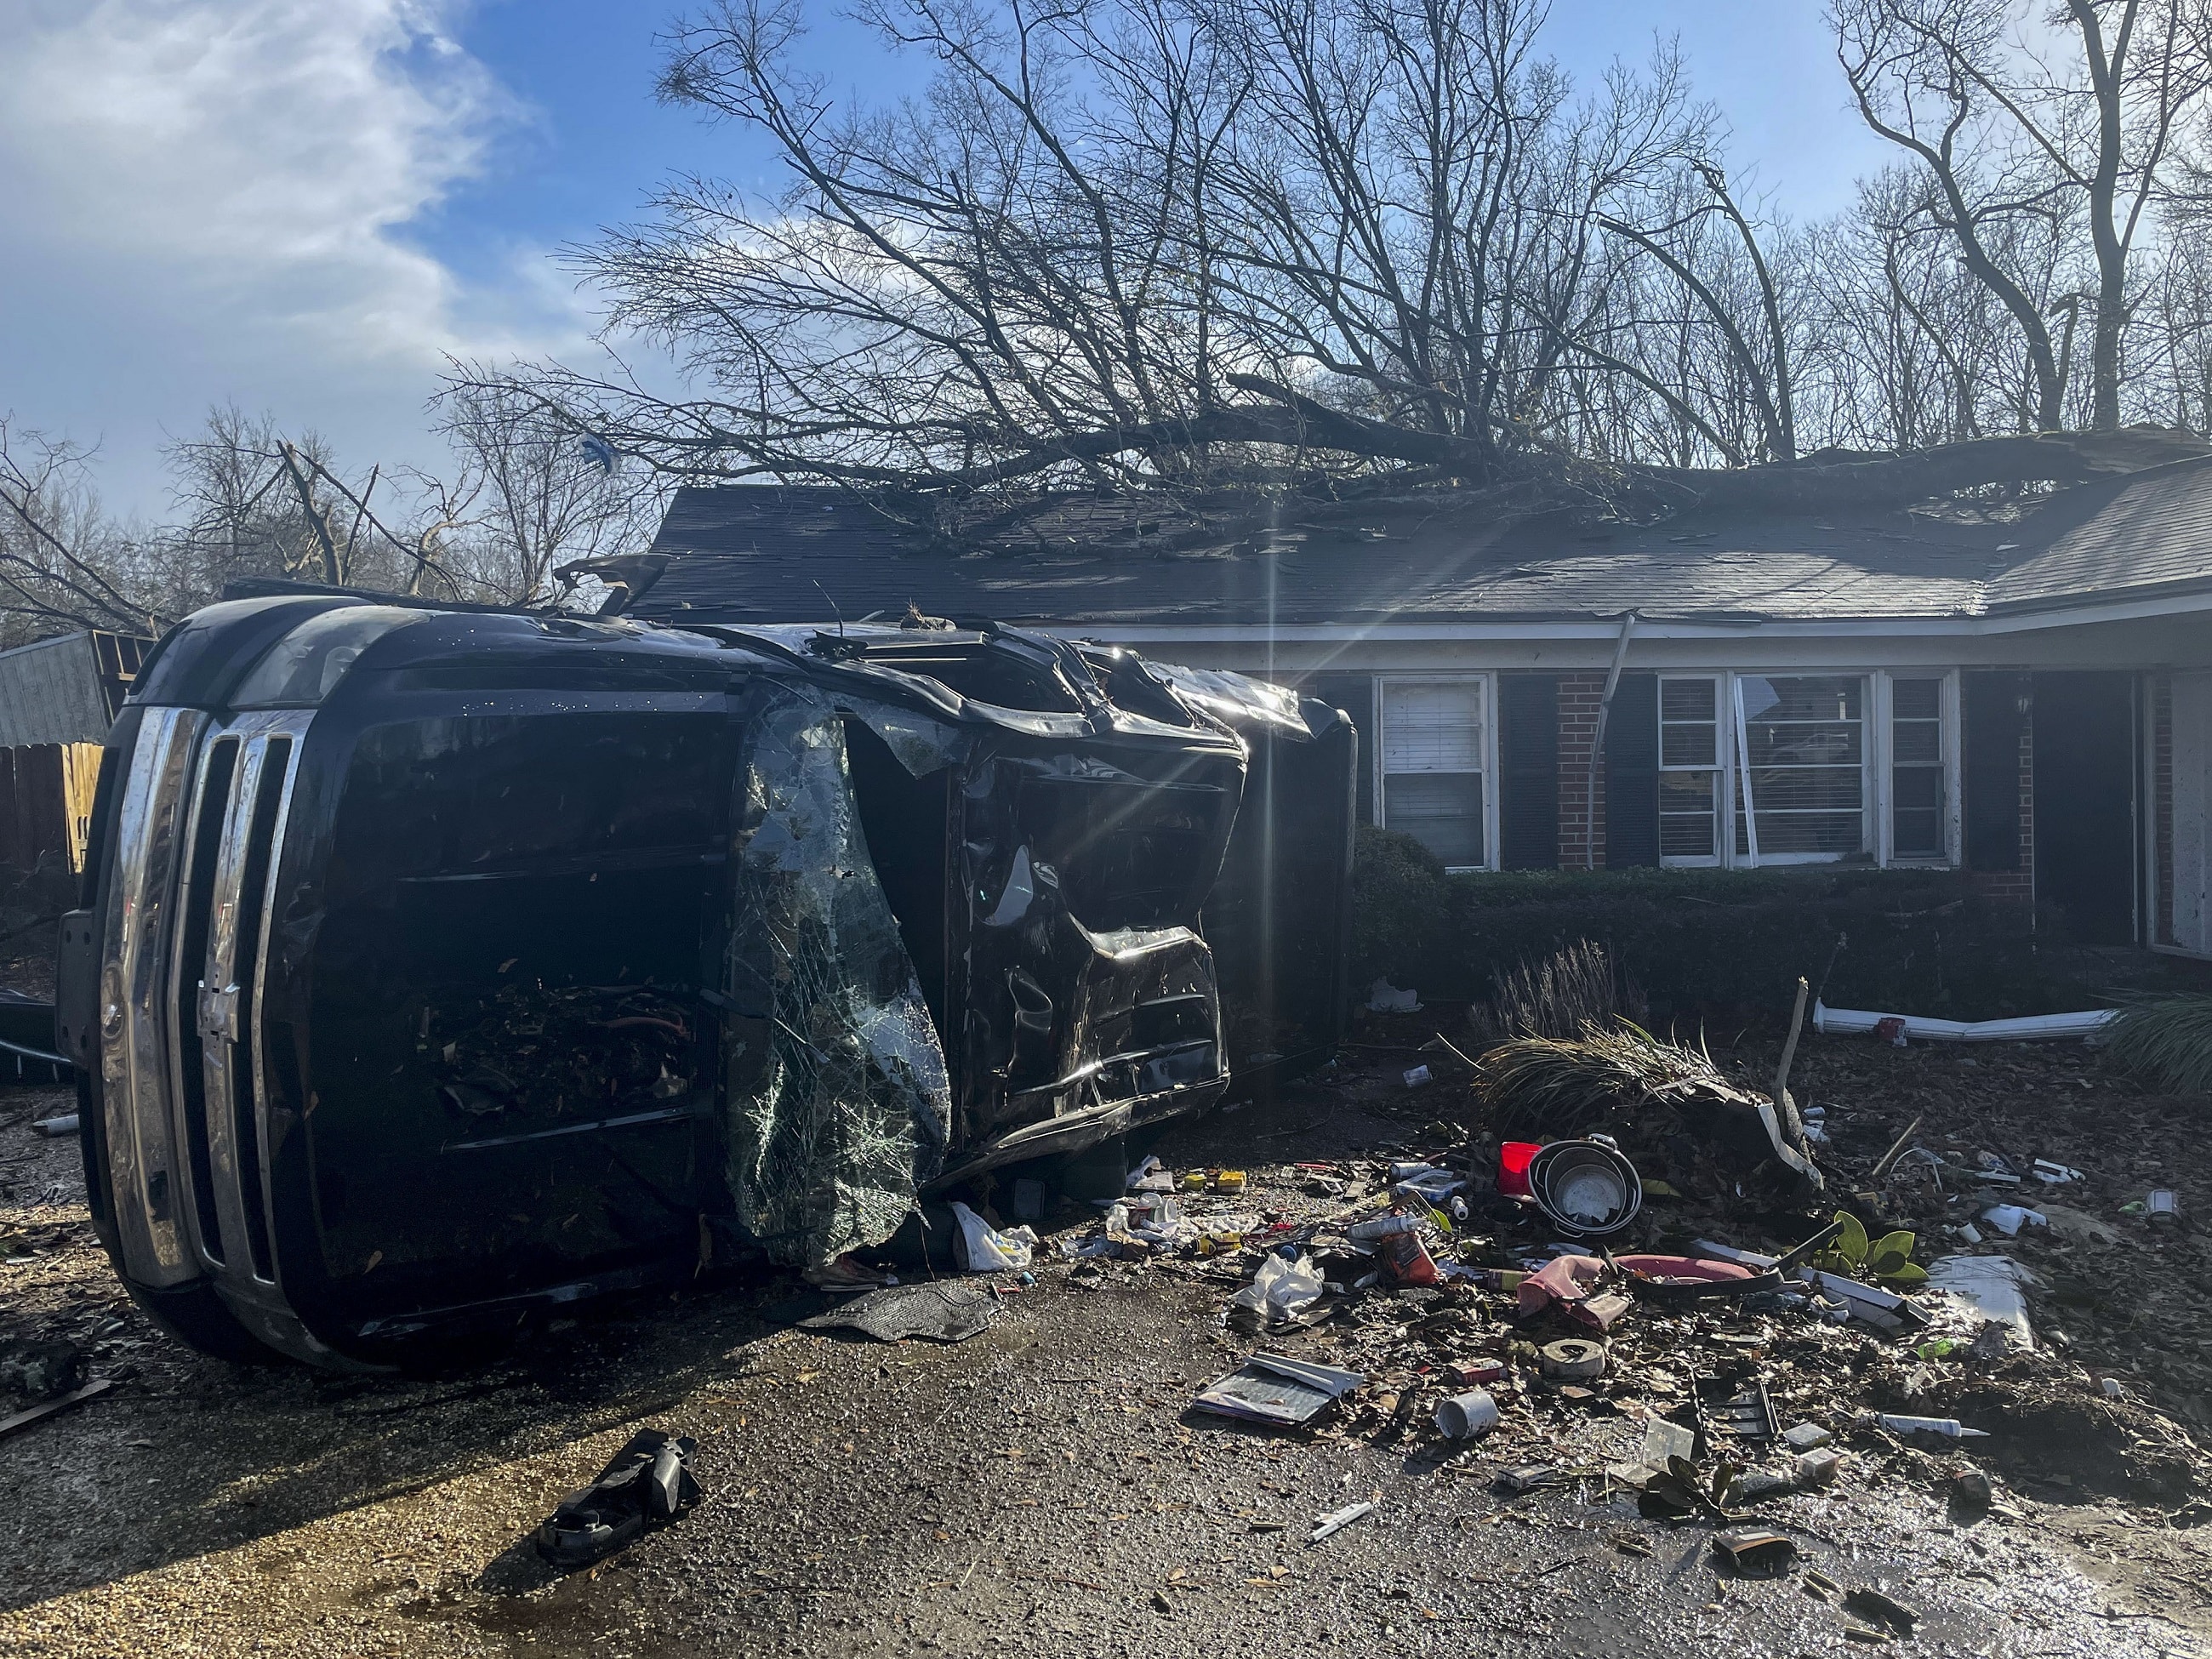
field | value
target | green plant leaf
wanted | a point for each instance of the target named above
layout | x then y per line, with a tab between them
1889	1253
1910	1272
1851	1242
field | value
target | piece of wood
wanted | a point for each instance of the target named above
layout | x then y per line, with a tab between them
24	1420
1896	1151
1452	1049
1789	1047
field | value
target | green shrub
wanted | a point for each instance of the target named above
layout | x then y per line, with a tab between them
1713	945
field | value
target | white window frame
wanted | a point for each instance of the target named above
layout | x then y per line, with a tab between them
1488	757
1877	704
1873	764
1953	785
1723	766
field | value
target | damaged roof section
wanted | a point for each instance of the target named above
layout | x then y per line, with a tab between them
734	553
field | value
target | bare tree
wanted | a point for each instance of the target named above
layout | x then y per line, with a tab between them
532	492
63	563
1171	247
256	502
2086	120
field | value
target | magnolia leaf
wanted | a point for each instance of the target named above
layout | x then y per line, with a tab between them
1851	1242
1890	1255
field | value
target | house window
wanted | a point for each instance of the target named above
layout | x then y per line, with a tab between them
1435	738
1917	792
1689	770
1801	767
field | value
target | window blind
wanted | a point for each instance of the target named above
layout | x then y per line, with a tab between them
1432	727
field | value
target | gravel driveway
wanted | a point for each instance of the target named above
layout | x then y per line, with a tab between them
1042	1488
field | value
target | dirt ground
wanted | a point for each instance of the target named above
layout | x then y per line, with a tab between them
1047	1484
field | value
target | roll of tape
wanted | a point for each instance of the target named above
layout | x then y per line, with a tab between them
1572	1360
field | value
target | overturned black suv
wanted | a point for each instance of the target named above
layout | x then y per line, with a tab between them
442	967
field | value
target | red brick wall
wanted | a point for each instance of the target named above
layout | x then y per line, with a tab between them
1580	821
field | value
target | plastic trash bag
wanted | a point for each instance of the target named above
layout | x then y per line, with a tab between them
985	1250
1279	1293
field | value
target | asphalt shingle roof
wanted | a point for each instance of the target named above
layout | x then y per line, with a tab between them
745	553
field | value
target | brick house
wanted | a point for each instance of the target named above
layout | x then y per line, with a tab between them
2029	697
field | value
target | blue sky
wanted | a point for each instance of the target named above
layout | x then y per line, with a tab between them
302	205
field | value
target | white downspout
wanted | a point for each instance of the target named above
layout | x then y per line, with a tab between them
1848	1022
1597	739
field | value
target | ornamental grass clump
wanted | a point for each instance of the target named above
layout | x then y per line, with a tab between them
2165	1039
1555	1086
1572	990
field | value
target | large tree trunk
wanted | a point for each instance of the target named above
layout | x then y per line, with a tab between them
1878	481
1814	484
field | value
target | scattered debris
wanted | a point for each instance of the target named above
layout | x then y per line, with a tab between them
1971	1496
2009	1218
1739	1408
1529	1477
951	1311
1562	1282
1271	1388
1328	1526
1994	1286
985	1250
1572	1359
1671	1278
24	1420
1755	1552
1929	1428
40	1371
648	1483
1283	1289
1665	1445
1467	1416
1879	1609
1585	1187
1384	998
1886	1311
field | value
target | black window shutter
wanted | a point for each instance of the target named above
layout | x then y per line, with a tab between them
1355	695
1529	756
1631	773
1990	703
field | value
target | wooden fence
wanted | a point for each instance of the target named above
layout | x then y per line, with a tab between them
45	805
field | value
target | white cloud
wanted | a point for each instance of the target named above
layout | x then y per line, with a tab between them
209	199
